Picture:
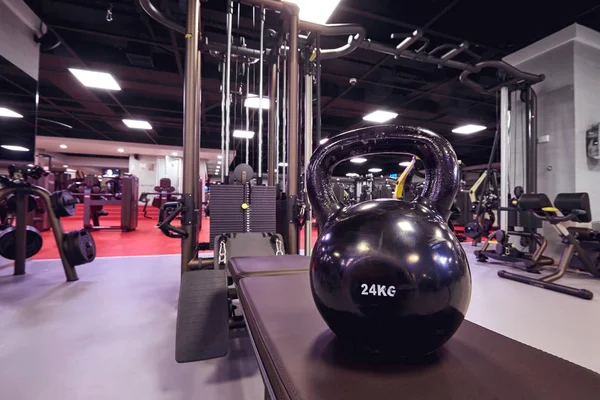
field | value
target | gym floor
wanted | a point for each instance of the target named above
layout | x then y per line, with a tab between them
111	335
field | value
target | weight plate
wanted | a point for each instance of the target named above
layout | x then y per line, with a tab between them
473	230
79	247
63	203
486	226
8	242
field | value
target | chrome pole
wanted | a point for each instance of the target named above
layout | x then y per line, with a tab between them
228	88
260	90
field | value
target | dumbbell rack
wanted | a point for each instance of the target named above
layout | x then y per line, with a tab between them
21	192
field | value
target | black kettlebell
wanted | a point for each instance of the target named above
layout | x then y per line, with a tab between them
388	276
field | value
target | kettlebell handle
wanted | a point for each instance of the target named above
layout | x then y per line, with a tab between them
441	165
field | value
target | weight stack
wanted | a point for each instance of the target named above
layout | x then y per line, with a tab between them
227	216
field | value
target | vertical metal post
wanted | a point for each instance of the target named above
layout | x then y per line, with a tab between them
191	133
228	88
222	117
21	232
278	104
318	90
504	151
272	157
308	145
284	132
293	162
260	91
247	115
527	135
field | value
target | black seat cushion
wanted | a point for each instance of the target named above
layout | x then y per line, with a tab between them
302	359
240	267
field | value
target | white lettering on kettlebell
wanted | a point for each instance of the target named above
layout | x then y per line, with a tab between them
378	290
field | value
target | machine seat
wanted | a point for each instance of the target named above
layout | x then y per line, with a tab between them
241	267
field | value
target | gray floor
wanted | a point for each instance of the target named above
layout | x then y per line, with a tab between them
111	335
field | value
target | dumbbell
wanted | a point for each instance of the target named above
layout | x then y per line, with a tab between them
8	242
79	247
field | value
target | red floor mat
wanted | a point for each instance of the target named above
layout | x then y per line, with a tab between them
145	240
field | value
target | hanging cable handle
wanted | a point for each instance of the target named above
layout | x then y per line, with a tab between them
357	34
165	226
514	76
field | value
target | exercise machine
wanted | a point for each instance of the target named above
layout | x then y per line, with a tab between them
573	207
19	241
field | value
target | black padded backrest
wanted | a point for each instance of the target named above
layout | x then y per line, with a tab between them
534	201
567	202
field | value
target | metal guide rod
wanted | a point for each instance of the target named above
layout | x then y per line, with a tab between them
21	232
191	135
271	156
308	145
318	90
284	104
504	150
248	115
260	90
277	105
228	87
534	138
293	81
222	119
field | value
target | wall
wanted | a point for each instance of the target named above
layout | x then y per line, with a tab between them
17	22
587	113
145	168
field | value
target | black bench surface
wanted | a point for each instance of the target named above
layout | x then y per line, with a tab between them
242	267
302	359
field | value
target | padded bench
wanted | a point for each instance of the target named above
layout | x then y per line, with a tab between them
242	267
300	358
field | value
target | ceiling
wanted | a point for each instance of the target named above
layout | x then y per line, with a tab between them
147	59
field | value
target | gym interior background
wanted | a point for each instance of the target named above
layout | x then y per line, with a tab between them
159	154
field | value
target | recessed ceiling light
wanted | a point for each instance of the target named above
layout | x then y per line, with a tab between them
282	164
5	112
95	79
468	129
352	175
243	134
121	150
358	160
174	154
315	11
30	165
63	146
219	162
65	166
405	163
323	141
380	116
219	156
137	124
14	148
375	170
253	101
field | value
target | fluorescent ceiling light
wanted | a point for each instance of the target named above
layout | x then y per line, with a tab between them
323	141
358	160
243	134
352	175
121	150
316	11
380	116
219	156
5	112
14	148
63	146
405	163
95	79
282	164
219	162
65	166
30	165
71	170
137	124
468	129
253	101
174	154
375	170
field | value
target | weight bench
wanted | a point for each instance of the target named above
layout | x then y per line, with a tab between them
300	358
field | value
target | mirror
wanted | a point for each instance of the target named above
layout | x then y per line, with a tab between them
18	113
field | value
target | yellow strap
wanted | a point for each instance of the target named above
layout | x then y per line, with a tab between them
400	184
550	209
313	56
